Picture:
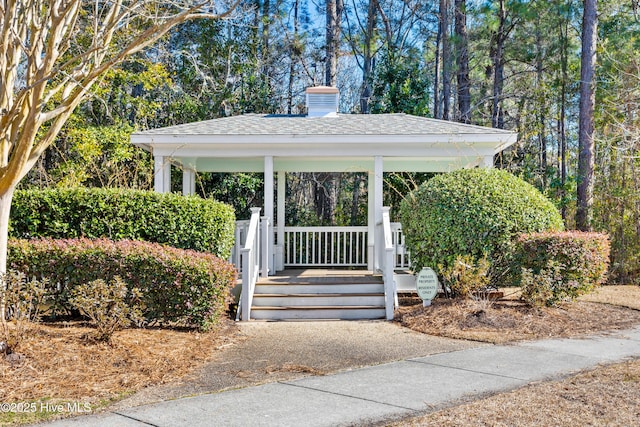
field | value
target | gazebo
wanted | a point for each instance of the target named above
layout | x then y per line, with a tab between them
321	141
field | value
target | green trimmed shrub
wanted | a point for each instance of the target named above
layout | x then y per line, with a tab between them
539	289
581	260
177	285
118	214
476	212
110	306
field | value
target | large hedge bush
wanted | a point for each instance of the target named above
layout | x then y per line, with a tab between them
117	214
177	285
473	212
576	261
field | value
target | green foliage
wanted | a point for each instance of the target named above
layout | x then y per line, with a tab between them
176	285
183	222
476	212
400	86
616	193
22	300
110	306
243	191
466	276
95	156
570	263
539	289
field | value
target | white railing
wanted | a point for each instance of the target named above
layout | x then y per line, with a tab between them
325	246
387	264
250	265
401	256
242	227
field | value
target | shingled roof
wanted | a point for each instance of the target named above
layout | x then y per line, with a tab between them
343	124
341	142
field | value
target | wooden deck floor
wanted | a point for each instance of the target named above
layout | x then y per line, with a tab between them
322	276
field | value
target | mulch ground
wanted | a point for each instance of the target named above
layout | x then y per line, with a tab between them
59	363
510	321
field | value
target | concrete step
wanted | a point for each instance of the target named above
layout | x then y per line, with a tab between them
318	300
317	313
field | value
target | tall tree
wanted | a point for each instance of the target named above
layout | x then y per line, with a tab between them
462	48
446	58
295	51
497	55
334	22
368	55
586	141
51	53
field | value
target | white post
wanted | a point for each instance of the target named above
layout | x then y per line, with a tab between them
188	182
268	205
371	221
161	174
282	182
265	249
387	263
378	185
487	162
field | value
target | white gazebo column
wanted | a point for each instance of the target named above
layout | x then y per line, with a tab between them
375	187
162	174
268	205
371	220
188	175
487	162
188	182
281	186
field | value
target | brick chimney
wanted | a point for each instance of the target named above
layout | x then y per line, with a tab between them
322	101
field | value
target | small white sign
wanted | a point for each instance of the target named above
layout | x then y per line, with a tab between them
427	284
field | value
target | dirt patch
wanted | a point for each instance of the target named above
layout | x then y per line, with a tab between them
510	320
604	396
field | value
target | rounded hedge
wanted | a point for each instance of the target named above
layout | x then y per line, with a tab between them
183	222
472	212
177	285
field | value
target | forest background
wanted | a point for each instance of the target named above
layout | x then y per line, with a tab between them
511	64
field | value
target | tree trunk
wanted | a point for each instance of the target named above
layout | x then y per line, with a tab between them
355	199
436	76
464	91
367	66
293	57
586	142
5	210
497	115
328	196
446	59
266	21
562	134
334	15
542	105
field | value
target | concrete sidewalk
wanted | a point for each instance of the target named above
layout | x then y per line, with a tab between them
384	392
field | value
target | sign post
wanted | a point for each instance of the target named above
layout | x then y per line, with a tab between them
427	285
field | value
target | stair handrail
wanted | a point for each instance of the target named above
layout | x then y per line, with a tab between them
250	260
387	264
